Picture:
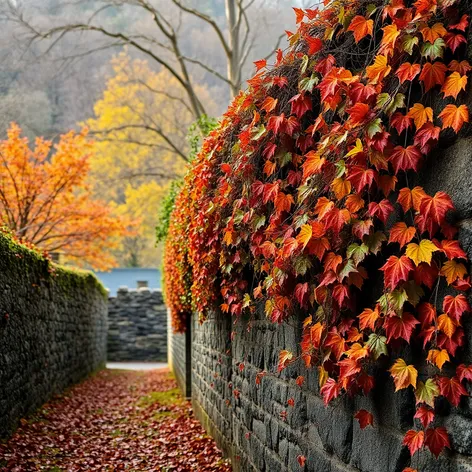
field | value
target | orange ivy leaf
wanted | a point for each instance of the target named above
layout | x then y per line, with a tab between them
403	375
447	325
365	418
407	71
454	117
454	84
341	187
401	234
433	74
303	238
269	104
453	270
368	318
299	14
420	114
378	70
361	27
389	39
260	64
354	202
414	440
313	164
434	32
438	357
301	461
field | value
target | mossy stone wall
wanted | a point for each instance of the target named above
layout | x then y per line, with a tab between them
53	330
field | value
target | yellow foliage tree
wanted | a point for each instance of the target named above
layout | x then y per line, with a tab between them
140	126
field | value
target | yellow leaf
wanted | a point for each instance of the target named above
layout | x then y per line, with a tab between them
305	235
422	252
403	375
322	376
357	149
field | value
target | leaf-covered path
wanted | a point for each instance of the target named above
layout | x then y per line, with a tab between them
114	421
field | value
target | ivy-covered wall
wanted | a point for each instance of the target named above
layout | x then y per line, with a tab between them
255	423
53	330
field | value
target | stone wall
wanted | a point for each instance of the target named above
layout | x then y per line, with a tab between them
179	358
137	326
53	327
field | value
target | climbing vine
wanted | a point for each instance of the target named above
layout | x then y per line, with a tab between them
307	198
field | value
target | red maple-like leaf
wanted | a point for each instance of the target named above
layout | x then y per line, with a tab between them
396	270
361	177
436	439
452	389
434	210
464	372
405	158
397	327
425	415
365	418
330	390
301	103
401	122
455	307
433	74
414	440
381	210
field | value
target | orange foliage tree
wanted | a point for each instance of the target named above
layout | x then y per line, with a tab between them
45	198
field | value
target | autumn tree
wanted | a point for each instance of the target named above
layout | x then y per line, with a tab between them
163	42
45	198
140	129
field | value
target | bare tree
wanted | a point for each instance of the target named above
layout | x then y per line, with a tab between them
164	45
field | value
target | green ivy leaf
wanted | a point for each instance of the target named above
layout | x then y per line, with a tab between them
377	345
426	392
305	62
308	83
397	102
433	51
414	292
357	252
374	127
382	100
409	42
348	268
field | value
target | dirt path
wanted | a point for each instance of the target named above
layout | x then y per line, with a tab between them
114	421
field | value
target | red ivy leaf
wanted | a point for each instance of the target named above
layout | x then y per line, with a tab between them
436	439
365	418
